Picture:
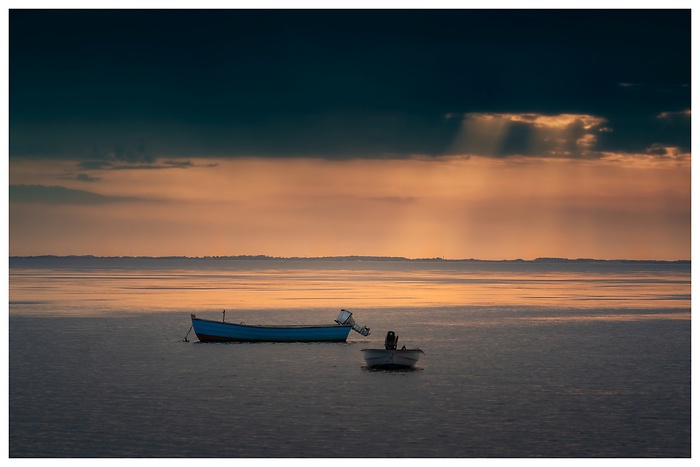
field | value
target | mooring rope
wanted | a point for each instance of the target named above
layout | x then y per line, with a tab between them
188	333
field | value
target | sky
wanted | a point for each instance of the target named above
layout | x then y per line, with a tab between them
488	134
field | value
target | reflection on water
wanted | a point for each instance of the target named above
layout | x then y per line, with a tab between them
256	286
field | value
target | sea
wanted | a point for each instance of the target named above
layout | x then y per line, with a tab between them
523	359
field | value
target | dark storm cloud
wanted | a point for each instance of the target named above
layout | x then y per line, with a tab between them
96	165
40	194
83	177
136	86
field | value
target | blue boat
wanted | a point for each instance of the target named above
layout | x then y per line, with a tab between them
221	331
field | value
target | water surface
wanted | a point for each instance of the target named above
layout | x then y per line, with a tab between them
522	360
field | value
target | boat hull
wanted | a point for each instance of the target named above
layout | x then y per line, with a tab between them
216	331
391	359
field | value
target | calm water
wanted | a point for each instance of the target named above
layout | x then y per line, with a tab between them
521	360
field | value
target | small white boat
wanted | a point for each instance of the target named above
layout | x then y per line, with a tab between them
391	358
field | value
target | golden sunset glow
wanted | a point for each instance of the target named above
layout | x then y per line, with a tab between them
274	288
459	207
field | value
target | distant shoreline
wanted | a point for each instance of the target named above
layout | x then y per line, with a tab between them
544	260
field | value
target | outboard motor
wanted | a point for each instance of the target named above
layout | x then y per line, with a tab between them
391	341
345	318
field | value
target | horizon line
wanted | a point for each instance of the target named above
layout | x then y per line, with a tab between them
543	259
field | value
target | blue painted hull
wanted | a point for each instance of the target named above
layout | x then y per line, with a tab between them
217	331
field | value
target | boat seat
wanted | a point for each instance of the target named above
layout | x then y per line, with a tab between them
391	340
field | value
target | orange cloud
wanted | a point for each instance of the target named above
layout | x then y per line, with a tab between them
669	115
654	156
559	122
562	135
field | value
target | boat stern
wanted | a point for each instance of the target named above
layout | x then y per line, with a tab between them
345	319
